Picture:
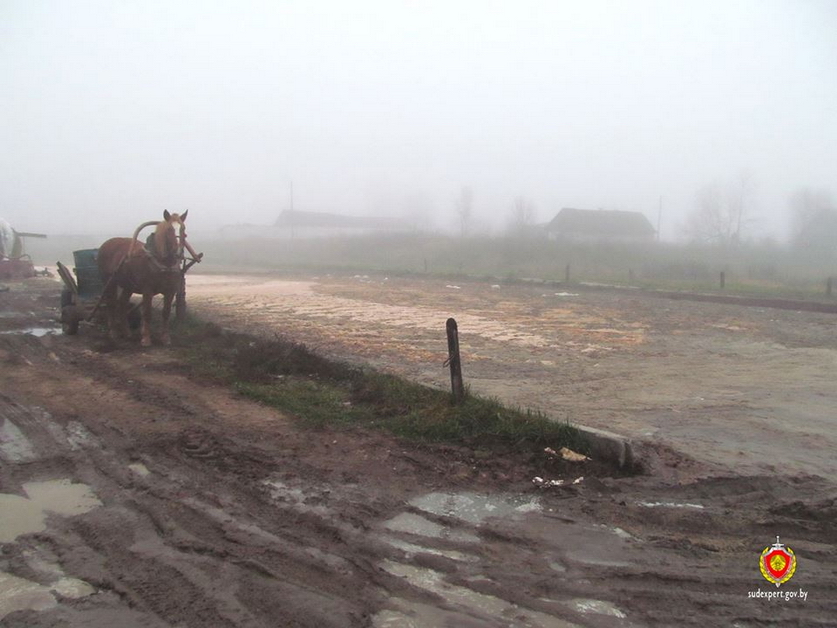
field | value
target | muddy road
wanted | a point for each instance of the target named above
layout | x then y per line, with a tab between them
133	493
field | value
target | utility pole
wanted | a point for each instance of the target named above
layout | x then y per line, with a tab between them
659	218
291	212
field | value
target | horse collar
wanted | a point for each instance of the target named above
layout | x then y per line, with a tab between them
150	249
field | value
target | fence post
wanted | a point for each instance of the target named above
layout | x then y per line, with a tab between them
455	362
567	274
723	280
828	287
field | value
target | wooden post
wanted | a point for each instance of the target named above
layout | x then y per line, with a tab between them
723	280
828	287
180	298
567	274
631	274
455	362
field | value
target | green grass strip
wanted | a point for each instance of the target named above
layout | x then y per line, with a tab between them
322	392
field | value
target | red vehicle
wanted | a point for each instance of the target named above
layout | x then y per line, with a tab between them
14	262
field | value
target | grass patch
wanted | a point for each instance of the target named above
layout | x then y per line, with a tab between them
323	392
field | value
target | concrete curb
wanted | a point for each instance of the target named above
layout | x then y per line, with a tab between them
609	446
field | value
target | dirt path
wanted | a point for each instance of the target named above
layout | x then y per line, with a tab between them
133	494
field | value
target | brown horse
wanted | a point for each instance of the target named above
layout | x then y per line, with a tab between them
126	265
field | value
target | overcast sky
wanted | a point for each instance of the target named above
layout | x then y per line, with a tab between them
112	111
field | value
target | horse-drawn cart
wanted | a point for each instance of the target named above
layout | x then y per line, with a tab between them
83	296
78	297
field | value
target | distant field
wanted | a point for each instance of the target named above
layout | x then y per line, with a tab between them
762	270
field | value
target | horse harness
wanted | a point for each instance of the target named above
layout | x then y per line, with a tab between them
150	248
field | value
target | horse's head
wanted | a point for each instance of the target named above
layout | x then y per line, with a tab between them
170	237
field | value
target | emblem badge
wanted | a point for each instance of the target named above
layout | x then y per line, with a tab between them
777	563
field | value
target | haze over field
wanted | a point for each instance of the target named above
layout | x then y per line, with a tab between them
112	111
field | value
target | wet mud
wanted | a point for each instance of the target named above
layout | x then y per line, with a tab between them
146	496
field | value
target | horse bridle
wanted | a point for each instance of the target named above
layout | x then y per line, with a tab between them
158	263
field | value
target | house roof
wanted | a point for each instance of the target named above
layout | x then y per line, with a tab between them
600	222
294	218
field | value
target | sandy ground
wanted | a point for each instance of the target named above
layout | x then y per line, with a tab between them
748	388
134	494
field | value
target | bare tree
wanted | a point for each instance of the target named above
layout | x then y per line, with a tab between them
464	209
813	221
711	221
739	196
722	212
522	216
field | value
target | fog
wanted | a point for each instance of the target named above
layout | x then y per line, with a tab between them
112	111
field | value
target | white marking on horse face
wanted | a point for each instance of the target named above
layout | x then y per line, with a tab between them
180	231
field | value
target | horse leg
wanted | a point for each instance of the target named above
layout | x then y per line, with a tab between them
122	303
167	299
110	301
146	318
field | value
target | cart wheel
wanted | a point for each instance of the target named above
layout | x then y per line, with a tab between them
70	320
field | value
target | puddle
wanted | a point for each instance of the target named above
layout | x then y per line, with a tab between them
595	561
14	446
595	545
42	561
475	508
416	524
34	331
599	607
78	436
478	604
24	515
17	594
417	615
140	469
394	619
72	588
411	549
622	534
75	435
670	505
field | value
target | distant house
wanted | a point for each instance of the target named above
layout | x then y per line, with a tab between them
316	224
600	225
